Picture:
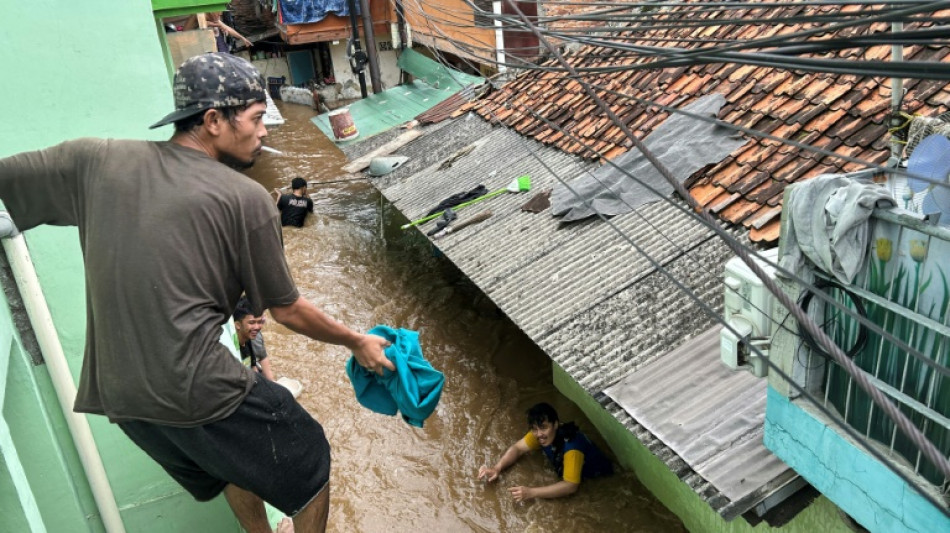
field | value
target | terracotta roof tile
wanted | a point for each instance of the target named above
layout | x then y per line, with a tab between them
767	234
730	174
614	152
722	201
770	81
704	193
793	86
844	113
743	72
846	127
823	143
738	211
815	87
777	162
826	120
805	138
763	216
750	183
877	53
833	92
786	131
794	168
851	98
765	191
870	107
807	113
927	88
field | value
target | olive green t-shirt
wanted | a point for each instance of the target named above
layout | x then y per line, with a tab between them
170	240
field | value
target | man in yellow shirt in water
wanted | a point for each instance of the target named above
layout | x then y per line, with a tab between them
569	451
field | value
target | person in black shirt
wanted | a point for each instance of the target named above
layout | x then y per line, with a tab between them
295	206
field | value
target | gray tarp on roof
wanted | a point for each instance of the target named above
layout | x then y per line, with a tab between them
682	143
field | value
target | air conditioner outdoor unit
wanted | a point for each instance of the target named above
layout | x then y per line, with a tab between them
748	309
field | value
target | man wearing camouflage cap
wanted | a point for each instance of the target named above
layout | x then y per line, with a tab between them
171	238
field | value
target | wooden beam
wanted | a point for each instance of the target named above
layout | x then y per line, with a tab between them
360	163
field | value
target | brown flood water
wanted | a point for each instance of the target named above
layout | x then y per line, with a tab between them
352	260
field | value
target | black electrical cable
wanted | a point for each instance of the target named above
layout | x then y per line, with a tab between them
862	320
710	53
916	437
920	354
761	135
804	302
846	428
834	416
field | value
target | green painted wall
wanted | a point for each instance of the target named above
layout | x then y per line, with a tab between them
73	69
696	514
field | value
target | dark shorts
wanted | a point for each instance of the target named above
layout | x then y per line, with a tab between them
269	446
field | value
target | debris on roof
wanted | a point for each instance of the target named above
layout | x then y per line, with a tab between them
599	307
844	114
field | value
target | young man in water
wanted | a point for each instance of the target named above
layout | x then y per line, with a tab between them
569	451
250	339
171	237
295	206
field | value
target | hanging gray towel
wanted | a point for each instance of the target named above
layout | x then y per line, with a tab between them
827	223
683	144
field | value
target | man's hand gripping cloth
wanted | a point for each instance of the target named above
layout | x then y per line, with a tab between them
413	389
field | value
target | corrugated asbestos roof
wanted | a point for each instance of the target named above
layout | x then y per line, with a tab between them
846	114
582	292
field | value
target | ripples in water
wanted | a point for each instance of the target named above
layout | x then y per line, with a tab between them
352	260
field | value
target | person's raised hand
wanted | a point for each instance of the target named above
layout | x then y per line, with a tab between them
370	354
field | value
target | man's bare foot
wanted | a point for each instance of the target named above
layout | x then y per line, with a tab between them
286	525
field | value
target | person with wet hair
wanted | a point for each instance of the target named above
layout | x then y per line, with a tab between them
294	207
250	339
573	456
172	236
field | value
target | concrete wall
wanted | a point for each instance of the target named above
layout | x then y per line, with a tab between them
440	23
92	68
904	267
695	513
272	67
869	492
185	44
389	72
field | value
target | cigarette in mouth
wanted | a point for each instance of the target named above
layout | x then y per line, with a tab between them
271	150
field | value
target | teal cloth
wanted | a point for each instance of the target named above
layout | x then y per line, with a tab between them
413	389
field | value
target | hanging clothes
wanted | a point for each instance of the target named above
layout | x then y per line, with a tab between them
306	11
828	224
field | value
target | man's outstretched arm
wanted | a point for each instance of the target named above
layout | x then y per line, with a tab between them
510	457
557	490
303	317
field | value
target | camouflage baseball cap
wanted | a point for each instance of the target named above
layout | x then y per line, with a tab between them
213	80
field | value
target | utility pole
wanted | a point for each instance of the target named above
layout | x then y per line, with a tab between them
370	36
403	36
401	24
897	96
357	57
